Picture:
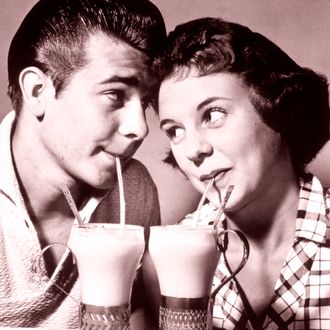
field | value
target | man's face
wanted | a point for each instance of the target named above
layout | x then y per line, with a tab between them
100	114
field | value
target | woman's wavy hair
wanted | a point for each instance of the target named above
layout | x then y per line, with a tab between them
292	100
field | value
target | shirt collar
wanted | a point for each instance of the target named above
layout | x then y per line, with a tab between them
312	212
8	181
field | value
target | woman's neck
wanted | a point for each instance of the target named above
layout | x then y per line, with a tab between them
271	219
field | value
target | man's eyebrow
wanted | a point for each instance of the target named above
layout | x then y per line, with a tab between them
130	81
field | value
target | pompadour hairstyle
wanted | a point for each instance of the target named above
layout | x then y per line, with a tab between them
52	35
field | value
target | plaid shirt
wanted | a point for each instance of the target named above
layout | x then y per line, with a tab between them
301	297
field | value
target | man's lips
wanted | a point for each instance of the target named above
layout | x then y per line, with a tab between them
122	157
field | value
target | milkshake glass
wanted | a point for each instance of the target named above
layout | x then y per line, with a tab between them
107	256
185	258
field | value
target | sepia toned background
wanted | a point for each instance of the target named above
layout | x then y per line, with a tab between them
299	27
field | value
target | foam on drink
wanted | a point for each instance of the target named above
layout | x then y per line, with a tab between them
185	258
107	257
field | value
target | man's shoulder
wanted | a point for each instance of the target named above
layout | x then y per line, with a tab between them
141	198
136	174
136	167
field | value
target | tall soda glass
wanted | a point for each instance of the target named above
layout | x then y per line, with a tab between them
107	257
185	258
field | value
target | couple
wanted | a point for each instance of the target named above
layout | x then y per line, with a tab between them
234	107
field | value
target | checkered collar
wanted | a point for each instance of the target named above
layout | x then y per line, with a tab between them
311	231
311	228
311	221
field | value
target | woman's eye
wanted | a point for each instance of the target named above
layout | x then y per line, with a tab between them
174	132
213	115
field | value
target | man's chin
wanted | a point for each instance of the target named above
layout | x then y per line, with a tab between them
104	184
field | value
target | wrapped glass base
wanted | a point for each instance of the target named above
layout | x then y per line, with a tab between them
104	318
184	314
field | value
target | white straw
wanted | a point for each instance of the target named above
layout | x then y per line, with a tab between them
72	204
222	206
121	192
201	202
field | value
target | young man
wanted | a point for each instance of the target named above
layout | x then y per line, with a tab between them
79	82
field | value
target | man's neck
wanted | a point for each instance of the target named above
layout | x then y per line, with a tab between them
40	180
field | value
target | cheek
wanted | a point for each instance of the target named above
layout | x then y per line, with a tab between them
179	157
261	152
269	143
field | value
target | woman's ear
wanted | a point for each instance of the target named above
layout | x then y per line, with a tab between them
35	90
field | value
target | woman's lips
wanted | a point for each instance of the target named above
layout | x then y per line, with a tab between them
215	174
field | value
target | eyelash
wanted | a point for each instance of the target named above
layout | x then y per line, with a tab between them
119	96
171	131
210	111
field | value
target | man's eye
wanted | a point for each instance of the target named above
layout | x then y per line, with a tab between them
213	115
115	95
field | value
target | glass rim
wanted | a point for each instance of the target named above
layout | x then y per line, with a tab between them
182	227
107	226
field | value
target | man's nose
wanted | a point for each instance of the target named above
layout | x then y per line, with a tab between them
133	123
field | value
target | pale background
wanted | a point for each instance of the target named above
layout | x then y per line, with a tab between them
300	27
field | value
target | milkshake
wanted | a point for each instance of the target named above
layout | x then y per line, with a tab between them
107	257
185	258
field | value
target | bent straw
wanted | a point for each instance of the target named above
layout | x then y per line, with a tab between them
222	206
72	204
121	192
201	202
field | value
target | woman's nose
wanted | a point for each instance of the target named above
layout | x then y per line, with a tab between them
133	123
197	148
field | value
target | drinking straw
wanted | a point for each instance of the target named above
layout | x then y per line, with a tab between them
72	204
201	202
121	192
222	206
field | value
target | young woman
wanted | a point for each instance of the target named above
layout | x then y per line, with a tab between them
236	108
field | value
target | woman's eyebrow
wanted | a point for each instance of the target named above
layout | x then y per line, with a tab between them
210	100
165	121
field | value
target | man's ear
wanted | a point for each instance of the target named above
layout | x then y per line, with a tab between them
35	89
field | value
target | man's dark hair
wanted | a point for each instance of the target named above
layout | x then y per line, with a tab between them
52	35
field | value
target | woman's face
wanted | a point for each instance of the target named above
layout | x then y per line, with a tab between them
215	132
